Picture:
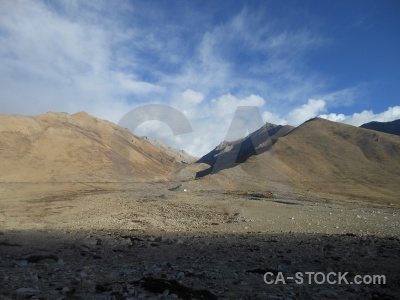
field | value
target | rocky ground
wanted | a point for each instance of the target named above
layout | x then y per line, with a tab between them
162	242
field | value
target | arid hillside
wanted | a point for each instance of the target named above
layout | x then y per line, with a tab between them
58	147
325	157
180	156
319	156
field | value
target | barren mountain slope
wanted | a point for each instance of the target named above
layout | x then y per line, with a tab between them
180	156
59	147
229	154
325	157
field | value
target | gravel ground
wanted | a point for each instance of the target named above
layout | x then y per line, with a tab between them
126	265
161	242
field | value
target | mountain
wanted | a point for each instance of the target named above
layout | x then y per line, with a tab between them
180	156
58	147
228	154
392	127
320	156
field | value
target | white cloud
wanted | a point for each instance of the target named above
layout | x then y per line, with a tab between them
343	97
53	61
128	84
357	119
305	112
227	104
333	117
272	118
192	97
189	103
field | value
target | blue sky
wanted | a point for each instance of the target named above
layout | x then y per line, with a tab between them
293	59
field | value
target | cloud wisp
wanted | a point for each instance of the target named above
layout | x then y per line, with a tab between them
366	116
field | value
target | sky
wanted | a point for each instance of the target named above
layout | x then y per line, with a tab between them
293	60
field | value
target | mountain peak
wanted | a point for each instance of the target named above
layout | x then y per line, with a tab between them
82	114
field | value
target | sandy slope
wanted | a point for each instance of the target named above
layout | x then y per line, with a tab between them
180	156
59	147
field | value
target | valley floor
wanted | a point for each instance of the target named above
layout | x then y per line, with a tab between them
163	241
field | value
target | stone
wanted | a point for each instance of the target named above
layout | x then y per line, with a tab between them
66	290
180	275
328	293
82	274
22	263
27	291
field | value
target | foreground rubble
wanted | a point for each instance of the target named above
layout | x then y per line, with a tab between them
127	265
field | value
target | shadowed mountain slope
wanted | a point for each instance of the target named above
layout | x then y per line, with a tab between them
326	157
392	127
228	154
60	147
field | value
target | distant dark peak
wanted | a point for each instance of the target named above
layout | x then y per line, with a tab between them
267	125
229	154
392	127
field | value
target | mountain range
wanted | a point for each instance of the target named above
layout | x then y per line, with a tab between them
318	156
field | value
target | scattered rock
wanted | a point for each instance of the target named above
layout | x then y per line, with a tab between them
175	188
156	285
159	239
44	258
6	244
27	291
328	247
328	294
